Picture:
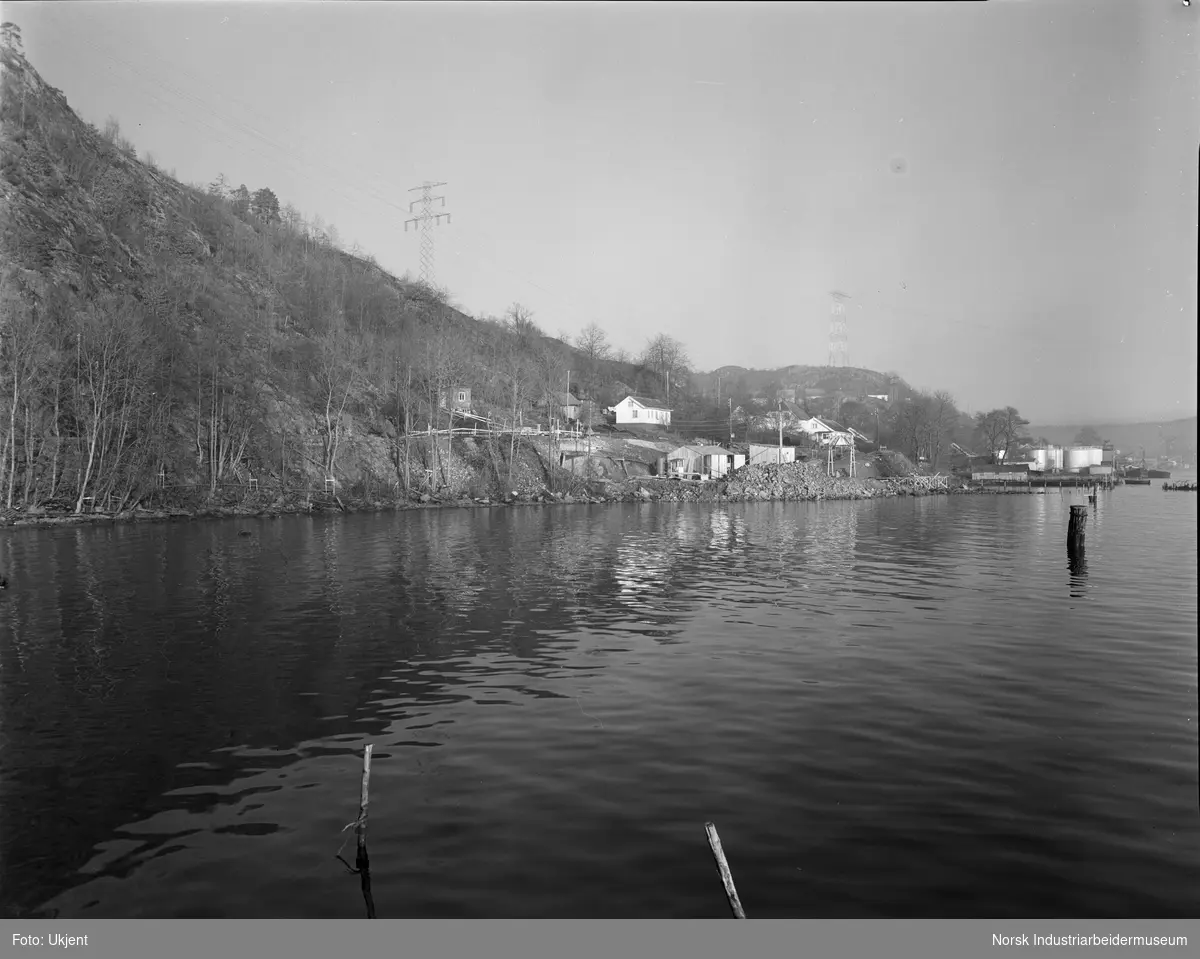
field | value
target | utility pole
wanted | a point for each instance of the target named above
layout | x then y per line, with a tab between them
779	457
731	419
426	220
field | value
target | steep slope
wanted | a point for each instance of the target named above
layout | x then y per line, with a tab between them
164	343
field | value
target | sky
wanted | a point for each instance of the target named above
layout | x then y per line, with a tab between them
1006	191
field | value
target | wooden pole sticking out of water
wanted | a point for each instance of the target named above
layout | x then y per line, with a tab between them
1076	530
361	862
714	842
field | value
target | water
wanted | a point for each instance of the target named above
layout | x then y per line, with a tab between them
889	708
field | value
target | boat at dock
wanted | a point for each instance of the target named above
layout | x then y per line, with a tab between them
1187	487
1143	473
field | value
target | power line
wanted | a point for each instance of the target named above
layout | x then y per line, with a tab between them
839	338
426	220
349	177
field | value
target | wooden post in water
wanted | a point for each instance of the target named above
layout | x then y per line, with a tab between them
1076	530
714	843
362	862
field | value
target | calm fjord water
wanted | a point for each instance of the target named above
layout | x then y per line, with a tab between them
889	708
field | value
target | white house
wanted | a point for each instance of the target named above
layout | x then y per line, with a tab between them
829	434
642	411
816	427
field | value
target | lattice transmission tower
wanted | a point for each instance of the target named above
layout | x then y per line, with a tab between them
839	336
426	220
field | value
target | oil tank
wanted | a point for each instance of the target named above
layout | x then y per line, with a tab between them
1040	458
1077	457
1095	456
1054	457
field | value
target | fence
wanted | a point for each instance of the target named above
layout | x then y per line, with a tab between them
500	431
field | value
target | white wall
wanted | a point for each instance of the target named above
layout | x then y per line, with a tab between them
770	454
629	412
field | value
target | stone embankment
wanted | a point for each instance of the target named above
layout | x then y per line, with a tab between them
808	481
786	482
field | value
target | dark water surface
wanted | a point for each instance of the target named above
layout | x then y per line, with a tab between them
889	708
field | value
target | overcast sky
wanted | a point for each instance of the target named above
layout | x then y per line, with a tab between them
1007	191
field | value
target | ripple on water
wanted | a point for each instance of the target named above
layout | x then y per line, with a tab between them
889	708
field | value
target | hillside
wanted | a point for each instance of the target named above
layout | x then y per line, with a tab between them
165	342
849	380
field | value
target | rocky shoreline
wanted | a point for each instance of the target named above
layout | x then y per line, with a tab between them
788	482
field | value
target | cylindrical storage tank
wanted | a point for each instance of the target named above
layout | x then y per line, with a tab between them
1095	456
1054	456
1076	458
1040	458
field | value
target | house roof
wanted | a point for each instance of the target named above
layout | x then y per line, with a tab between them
648	402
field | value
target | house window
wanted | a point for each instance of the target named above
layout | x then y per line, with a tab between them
633	414
462	396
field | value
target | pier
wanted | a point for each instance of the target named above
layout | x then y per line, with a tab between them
1070	481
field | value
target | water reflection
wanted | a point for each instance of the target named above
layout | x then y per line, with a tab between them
832	537
209	693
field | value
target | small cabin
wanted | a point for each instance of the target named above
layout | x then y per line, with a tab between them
761	455
458	398
703	462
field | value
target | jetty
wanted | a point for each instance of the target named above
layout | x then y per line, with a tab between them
1184	486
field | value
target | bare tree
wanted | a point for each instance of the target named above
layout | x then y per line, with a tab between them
668	358
592	342
911	426
520	376
1014	429
519	320
1001	430
111	345
338	372
941	419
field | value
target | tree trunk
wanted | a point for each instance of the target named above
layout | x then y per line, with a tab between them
57	439
87	473
12	432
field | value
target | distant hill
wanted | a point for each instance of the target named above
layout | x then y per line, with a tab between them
1129	438
848	379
